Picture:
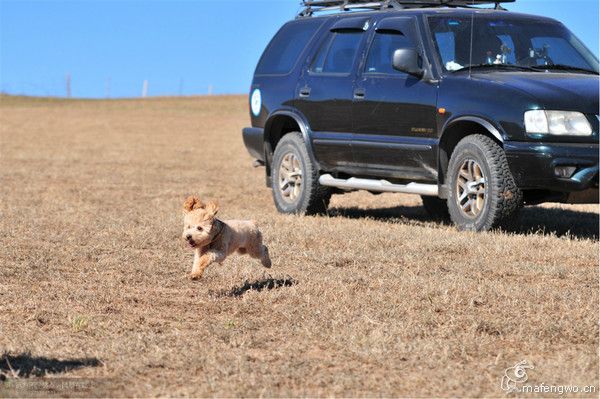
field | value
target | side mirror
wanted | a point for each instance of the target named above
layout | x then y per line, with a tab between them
407	60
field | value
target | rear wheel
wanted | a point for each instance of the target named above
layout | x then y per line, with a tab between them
295	179
482	192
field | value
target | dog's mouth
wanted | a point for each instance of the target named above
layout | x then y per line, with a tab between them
192	244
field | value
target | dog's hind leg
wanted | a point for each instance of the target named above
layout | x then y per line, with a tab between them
264	257
259	251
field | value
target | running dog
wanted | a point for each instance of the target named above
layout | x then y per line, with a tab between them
213	240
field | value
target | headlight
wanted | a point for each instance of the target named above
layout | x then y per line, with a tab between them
557	122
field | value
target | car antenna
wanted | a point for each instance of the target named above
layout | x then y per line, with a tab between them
471	44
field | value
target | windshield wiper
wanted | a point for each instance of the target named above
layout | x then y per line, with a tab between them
496	66
562	67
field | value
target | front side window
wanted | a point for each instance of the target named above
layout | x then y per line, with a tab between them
337	55
382	50
524	44
445	44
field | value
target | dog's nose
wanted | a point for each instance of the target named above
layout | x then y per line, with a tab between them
188	237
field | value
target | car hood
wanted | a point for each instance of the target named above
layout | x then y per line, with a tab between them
557	91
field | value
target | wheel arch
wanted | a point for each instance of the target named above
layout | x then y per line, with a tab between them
454	131
279	124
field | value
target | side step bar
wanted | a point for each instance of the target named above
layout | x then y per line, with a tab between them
355	183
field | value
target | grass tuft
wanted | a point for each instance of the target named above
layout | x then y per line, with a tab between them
79	323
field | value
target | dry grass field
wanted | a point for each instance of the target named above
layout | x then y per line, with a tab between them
374	299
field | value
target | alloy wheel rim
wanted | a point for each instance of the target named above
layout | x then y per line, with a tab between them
290	177
470	188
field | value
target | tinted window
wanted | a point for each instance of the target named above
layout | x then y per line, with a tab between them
317	64
284	50
337	55
382	52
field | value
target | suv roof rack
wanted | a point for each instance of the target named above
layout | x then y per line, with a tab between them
313	6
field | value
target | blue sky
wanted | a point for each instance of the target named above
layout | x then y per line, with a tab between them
180	47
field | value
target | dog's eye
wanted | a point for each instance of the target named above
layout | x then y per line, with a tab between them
199	228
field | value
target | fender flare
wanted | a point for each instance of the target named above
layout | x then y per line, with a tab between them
467	118
476	119
304	129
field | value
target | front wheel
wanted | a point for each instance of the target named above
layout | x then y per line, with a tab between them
482	192
295	179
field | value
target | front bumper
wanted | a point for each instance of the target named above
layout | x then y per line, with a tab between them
533	165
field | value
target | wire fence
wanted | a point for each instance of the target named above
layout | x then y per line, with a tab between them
67	88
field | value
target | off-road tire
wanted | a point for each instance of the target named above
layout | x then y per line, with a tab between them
502	197
313	198
436	207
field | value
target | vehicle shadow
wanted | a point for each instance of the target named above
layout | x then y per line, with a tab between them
555	221
24	365
395	214
531	220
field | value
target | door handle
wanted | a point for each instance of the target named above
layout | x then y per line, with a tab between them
305	92
359	94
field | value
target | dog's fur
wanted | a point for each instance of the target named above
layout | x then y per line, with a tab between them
213	240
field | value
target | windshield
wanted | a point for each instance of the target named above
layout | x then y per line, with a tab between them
523	43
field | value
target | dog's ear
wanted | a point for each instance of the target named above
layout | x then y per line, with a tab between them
211	208
191	203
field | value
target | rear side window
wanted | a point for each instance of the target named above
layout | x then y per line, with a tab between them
283	52
337	54
382	52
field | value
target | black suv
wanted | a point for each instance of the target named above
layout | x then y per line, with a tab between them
478	110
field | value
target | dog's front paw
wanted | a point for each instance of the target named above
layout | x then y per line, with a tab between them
195	276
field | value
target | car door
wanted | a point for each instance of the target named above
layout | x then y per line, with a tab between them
325	92
394	113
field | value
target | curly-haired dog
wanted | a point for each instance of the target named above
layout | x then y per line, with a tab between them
213	239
